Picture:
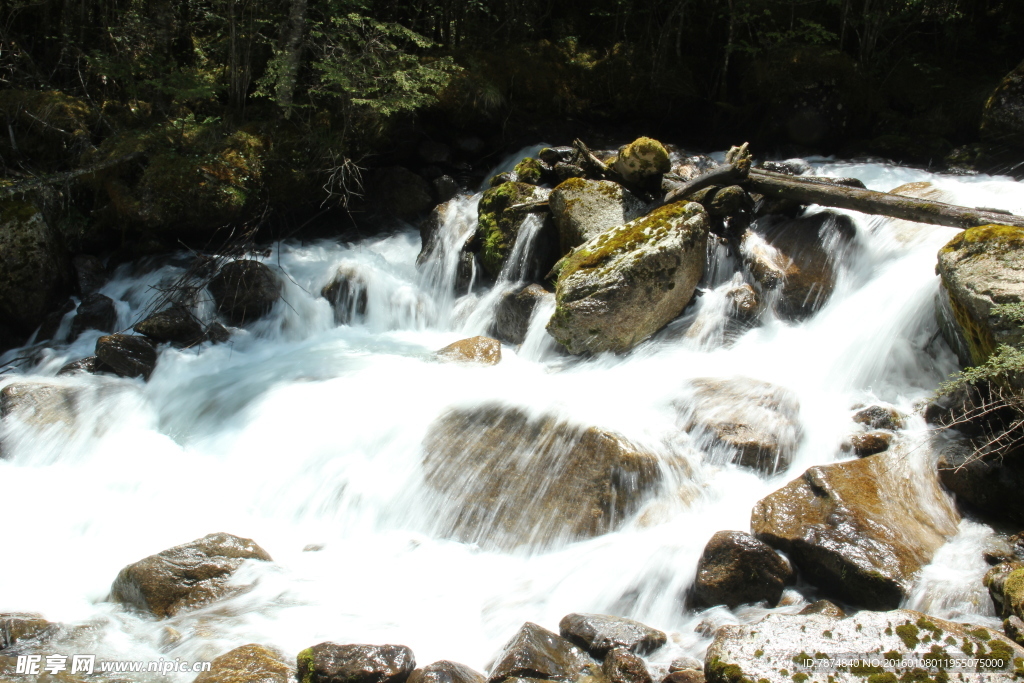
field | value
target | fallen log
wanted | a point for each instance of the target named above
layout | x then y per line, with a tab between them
57	178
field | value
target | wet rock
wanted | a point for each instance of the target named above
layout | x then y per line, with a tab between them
825	607
333	663
52	322
860	529
89	364
247	664
736	568
445	188
778	648
399	193
642	162
175	325
535	652
128	355
743	302
514	311
347	292
498	226
600	633
488	464
1005	584
758	422
482	350
624	285
244	291
694	165
583	209
90	273
685	676
722	202
554	155
446	672
40	404
989	482
19	626
35	273
1013	627
870	443
979	268
1003	118
622	666
96	312
185	576
217	333
880	417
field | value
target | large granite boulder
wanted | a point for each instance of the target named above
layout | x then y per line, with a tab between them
535	652
35	271
506	479
859	530
247	664
185	576
987	481
624	285
756	422
598	634
901	645
498	226
736	568
980	268
1003	118
333	663
583	209
244	291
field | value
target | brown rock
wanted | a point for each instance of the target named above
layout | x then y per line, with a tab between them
247	664
622	666
535	652
736	568
19	626
175	325
826	607
870	443
600	633
482	350
446	672
244	291
685	676
333	663
880	417
128	355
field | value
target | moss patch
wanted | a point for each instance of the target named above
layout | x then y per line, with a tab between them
908	633
496	227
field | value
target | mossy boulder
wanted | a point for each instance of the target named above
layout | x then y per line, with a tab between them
736	568
1003	118
185	576
485	463
535	652
47	126
782	648
642	162
980	268
583	209
498	227
1005	584
530	171
859	530
35	269
355	663
247	664
619	288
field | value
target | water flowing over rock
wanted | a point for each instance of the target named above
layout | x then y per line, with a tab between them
583	209
482	350
736	568
870	443
860	529
1003	118
514	311
498	225
175	325
642	162
247	664
185	576
624	285
347	292
782	648
90	273
244	291
535	652
506	479
128	355
18	627
988	482
446	672
89	364
600	633
333	663
40	404
96	312
757	422
982	267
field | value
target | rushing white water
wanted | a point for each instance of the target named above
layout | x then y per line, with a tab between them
305	432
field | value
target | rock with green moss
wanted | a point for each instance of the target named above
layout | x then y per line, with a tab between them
530	171
619	288
1005	584
980	268
642	162
247	664
859	530
583	209
356	663
498	227
900	645
35	269
485	463
1003	118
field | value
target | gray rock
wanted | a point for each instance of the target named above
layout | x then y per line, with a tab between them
535	652
736	568
600	633
583	209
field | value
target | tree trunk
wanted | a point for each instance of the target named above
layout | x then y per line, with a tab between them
292	56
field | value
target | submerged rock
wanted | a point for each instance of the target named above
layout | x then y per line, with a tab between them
128	355
247	664
175	325
244	291
759	422
89	364
482	350
782	649
600	633
583	209
185	576
624	285
333	663
622	666
506	479
979	268
736	568
446	672
514	311
535	652
859	530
